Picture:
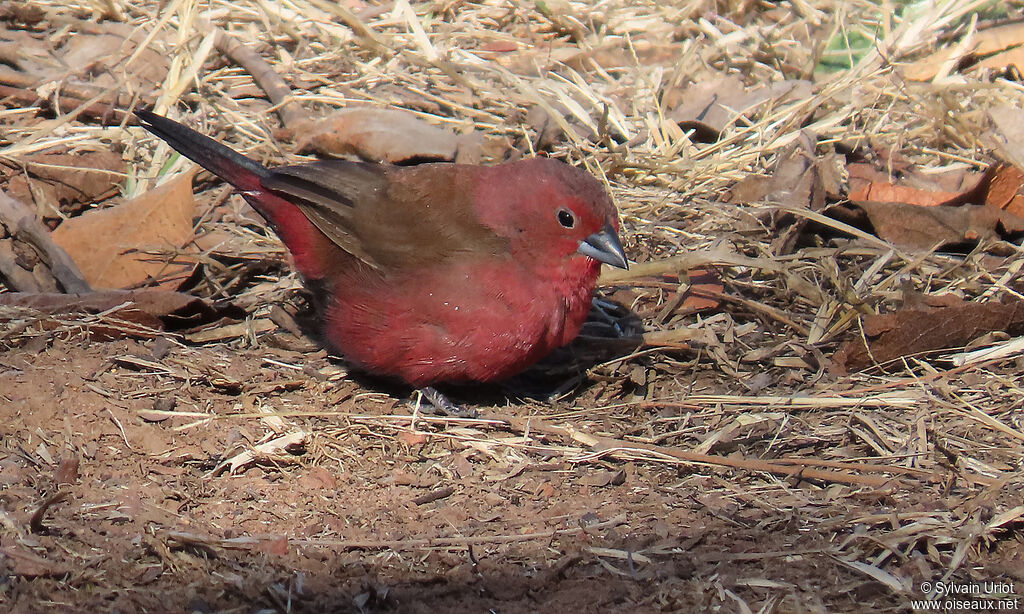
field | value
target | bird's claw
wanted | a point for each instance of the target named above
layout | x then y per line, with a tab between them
443	406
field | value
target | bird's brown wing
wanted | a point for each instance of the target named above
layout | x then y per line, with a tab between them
387	216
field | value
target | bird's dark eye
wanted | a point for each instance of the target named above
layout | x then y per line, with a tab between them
566	218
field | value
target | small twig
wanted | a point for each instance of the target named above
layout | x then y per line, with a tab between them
684	262
608	446
263	74
434	495
247	543
24	226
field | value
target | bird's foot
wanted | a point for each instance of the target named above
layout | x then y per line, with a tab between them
443	406
606	313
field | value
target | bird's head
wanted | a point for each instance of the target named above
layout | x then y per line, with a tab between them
553	215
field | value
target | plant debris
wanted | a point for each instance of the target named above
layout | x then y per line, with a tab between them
804	395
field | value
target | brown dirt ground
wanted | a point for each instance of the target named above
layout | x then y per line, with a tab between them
113	496
148	524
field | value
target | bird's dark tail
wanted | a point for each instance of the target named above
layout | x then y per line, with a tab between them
311	249
242	172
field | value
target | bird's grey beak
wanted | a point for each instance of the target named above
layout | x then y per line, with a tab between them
604	247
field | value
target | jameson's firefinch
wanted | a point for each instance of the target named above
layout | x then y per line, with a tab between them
436	272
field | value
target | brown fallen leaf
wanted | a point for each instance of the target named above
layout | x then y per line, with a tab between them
385	135
1006	135
154	309
923	228
23	563
795	183
1001	186
277	546
702	294
109	245
604	478
67	470
908	332
318	478
87	66
1005	189
63	182
913	186
710	107
412	438
860	175
891	192
994	48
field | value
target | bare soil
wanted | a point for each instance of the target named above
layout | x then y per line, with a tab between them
151	523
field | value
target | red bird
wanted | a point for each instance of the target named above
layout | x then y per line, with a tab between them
437	272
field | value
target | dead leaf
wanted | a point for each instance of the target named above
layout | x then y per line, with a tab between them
86	66
891	192
545	490
1006	136
25	564
461	465
701	294
386	135
710	107
993	48
67	470
317	478
601	479
1006	189
795	183
63	182
277	546
153	309
861	175
412	438
109	245
913	331
705	287
912	186
923	228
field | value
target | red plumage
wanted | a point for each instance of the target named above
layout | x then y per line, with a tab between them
436	272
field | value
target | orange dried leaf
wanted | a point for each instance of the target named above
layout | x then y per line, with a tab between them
998	47
1004	59
1006	189
110	245
275	546
705	288
891	192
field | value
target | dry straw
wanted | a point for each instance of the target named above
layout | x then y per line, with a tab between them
747	407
